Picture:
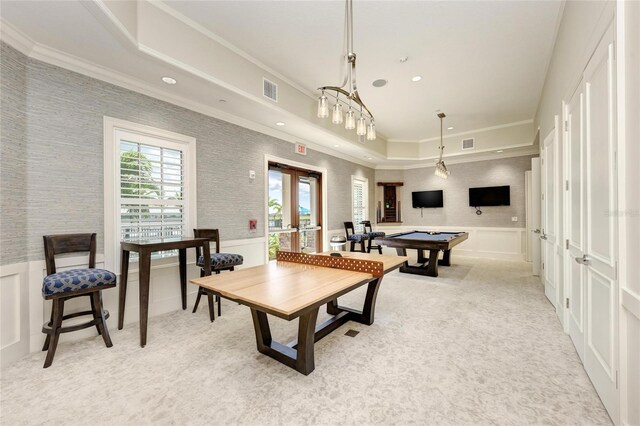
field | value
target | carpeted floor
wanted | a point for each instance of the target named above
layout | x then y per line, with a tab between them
479	345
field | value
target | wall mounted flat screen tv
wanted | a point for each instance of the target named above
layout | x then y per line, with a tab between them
490	196
427	199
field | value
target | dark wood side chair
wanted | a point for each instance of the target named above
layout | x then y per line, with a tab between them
368	231
219	262
354	238
62	286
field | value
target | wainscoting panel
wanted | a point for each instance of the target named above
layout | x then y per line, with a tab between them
14	313
493	243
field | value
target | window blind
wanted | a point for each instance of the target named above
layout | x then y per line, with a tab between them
151	192
359	204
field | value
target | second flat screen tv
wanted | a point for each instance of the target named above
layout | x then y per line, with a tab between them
489	196
427	199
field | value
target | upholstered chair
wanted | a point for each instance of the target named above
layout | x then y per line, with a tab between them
369	232
219	262
354	238
62	286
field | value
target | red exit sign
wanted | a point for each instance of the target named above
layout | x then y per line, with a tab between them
301	149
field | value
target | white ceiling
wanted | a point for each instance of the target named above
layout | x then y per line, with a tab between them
483	62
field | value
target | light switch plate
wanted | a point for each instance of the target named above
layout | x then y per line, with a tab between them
514	218
252	174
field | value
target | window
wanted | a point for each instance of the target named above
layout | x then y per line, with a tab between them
149	186
359	190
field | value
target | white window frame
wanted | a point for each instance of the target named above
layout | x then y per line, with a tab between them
365	182
186	144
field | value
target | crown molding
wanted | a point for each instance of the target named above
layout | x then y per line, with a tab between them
468	132
60	59
10	35
235	49
486	155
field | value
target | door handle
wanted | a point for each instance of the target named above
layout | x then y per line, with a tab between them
584	260
543	236
535	231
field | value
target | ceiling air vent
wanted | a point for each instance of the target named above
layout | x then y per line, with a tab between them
270	89
468	143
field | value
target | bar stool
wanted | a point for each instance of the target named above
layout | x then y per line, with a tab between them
62	286
354	238
368	230
219	262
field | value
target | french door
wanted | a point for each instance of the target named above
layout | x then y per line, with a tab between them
592	226
295	210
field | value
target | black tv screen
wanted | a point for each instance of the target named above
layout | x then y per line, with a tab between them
490	196
428	199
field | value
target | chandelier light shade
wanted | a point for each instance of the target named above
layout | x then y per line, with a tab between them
323	106
336	117
441	169
361	128
350	120
348	89
371	131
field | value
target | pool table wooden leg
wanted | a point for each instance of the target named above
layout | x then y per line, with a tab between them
432	267
446	258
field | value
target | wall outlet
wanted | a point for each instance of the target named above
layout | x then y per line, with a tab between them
514	218
252	174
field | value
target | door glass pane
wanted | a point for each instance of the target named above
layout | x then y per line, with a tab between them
279	212
307	210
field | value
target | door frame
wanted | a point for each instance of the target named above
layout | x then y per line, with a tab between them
323	171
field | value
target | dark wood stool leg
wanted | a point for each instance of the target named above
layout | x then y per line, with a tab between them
96	315
58	308
212	308
379	248
363	248
353	246
47	340
369	246
98	312
195	306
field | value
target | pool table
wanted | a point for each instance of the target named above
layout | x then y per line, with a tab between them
421	241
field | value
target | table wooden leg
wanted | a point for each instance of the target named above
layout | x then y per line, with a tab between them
145	271
305	362
182	259
432	268
122	291
446	258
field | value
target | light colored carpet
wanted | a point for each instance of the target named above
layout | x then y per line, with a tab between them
478	345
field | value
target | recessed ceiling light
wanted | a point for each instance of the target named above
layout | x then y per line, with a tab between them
450	128
279	123
336	146
416	78
500	150
222	101
379	82
169	80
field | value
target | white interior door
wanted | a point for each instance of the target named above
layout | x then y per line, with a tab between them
600	263
575	225
549	220
536	210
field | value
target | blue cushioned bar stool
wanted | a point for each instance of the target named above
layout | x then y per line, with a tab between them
62	286
354	238
369	232
219	262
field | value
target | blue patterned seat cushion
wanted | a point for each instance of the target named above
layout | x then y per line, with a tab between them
222	260
76	279
375	234
357	237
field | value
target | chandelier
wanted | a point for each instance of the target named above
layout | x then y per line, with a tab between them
441	169
347	93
